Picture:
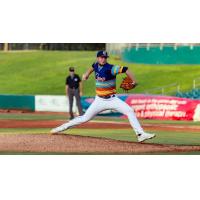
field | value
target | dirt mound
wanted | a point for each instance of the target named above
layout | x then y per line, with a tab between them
70	144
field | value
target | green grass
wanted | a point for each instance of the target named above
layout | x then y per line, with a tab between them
44	72
163	137
128	135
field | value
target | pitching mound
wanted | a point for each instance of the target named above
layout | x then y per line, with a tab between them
70	144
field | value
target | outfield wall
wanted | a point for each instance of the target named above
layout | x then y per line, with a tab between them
162	55
145	106
157	107
53	103
17	102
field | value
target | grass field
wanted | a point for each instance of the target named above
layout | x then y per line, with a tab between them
126	134
175	138
163	137
123	135
44	72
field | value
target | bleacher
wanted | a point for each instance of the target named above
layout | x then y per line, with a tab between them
192	94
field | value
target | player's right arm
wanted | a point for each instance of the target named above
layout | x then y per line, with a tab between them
87	73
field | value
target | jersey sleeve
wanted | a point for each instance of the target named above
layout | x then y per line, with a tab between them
116	69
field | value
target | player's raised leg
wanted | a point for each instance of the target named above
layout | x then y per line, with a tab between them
124	108
93	110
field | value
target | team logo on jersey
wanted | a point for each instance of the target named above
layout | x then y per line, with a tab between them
76	79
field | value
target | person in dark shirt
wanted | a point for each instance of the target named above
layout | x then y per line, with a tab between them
74	88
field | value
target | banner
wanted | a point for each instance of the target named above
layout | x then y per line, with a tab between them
144	106
156	107
53	103
164	107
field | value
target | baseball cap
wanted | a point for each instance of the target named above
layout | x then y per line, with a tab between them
102	54
71	69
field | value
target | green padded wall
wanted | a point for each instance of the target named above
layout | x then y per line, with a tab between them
18	102
168	55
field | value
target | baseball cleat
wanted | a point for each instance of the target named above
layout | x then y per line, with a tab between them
145	136
58	130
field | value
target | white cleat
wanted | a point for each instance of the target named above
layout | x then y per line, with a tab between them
145	136
58	130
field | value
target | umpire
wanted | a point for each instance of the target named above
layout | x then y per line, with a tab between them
74	88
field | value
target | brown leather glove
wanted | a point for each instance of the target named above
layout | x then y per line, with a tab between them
127	84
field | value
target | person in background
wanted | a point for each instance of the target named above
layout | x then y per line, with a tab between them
74	88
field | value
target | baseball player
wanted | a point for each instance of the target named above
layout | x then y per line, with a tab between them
106	97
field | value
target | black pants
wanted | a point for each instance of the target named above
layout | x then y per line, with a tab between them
71	94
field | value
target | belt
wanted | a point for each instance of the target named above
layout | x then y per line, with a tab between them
107	97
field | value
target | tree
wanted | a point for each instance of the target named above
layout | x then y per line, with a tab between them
6	47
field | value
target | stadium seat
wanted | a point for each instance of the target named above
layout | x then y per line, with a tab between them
192	94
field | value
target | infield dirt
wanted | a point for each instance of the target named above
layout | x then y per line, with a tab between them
70	144
95	125
75	144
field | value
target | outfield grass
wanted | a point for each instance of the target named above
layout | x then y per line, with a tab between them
44	72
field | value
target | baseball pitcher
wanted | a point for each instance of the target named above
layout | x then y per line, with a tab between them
106	97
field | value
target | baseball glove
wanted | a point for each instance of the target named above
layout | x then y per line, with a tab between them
127	84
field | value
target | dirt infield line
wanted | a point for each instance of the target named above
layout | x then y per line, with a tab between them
96	125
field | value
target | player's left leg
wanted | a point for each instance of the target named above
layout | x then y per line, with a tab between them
124	108
97	106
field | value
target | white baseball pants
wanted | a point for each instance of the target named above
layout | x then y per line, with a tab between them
99	105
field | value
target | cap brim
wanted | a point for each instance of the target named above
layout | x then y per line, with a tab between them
103	56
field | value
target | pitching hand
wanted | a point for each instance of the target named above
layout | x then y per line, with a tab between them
84	77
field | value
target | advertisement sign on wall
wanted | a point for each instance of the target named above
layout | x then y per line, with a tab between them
52	103
158	107
164	107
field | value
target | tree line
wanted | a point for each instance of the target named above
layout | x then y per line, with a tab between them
51	46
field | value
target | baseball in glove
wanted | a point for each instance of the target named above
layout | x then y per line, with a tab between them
127	84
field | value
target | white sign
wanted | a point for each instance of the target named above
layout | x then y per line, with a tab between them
53	103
